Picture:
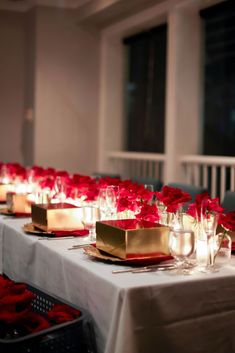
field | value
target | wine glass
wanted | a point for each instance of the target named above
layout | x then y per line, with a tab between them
60	189
102	203
91	214
149	187
112	193
182	245
209	222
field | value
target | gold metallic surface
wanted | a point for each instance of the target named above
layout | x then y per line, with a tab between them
18	203
60	216
127	243
4	189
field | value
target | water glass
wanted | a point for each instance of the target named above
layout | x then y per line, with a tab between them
224	248
112	194
107	201
182	246
102	203
91	214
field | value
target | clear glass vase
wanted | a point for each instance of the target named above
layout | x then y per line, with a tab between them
224	248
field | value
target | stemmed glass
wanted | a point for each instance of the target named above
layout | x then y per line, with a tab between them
102	203
150	188
60	189
91	214
107	201
209	222
182	246
112	193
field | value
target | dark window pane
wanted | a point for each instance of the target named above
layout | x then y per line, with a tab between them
219	70
145	91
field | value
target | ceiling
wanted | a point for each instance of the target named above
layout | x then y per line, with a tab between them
24	5
98	12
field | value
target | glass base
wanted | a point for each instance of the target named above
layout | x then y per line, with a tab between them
91	237
184	268
207	269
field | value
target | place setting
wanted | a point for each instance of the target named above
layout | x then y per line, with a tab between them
189	241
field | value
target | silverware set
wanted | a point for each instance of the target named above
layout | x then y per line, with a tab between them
79	246
150	268
56	238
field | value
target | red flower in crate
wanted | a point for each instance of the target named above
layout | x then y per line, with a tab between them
15	301
61	313
34	322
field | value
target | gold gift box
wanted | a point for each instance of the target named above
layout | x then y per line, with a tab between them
56	217
131	238
4	189
18	203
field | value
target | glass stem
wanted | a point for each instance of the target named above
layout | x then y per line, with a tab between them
210	249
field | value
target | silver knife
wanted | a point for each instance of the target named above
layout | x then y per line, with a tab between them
145	268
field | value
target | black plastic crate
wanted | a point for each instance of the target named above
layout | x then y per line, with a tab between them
76	336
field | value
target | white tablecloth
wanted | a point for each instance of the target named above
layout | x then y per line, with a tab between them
133	313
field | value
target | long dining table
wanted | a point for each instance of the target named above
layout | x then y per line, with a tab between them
158	311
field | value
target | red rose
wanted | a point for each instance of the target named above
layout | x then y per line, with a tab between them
61	313
125	204
211	205
172	198
148	213
34	322
228	220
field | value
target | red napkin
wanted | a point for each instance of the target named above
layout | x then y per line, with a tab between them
21	214
74	233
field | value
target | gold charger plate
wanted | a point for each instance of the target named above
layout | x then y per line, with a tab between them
29	228
92	251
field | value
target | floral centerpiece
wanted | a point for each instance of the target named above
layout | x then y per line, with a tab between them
170	201
206	212
226	236
210	204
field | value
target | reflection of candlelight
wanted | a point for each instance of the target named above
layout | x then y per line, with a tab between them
5	180
41	196
21	188
31	198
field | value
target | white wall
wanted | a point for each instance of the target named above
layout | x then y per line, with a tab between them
11	85
29	88
66	95
49	70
